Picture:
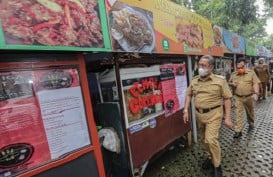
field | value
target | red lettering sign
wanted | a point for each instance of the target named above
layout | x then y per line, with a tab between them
139	103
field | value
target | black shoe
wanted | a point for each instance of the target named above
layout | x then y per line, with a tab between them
250	127
264	98
207	164
237	135
218	172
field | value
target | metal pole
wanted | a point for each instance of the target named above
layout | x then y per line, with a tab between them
122	112
234	62
194	128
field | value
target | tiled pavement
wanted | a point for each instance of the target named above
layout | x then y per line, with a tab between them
249	156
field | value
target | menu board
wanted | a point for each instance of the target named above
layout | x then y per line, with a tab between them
181	84
170	99
42	118
157	26
152	91
174	85
54	25
142	96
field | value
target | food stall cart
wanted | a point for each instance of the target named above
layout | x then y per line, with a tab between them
142	83
47	123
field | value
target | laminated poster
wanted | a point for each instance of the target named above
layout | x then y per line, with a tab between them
168	84
42	118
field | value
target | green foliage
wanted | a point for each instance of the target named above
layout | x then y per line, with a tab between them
268	42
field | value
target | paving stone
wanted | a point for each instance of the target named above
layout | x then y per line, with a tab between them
249	156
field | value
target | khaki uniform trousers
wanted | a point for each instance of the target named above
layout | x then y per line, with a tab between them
209	125
263	89
242	103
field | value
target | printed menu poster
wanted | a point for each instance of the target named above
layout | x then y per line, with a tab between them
168	84
142	95
42	118
62	109
180	83
23	142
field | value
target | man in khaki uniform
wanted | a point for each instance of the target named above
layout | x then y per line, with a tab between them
262	71
246	89
210	92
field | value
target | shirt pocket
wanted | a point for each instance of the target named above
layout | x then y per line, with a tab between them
215	89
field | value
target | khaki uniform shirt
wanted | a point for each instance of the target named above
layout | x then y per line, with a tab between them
263	73
244	82
209	93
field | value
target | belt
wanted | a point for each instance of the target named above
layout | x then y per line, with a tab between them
244	96
207	109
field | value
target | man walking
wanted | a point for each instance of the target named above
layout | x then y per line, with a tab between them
271	73
246	89
210	92
263	74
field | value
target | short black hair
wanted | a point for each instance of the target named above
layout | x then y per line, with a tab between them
240	59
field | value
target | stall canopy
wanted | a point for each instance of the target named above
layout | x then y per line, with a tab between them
157	26
233	43
268	53
52	25
251	48
217	48
261	50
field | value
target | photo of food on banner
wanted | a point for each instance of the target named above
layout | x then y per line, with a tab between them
189	33
14	85
131	28
51	23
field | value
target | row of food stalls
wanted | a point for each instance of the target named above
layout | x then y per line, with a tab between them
97	88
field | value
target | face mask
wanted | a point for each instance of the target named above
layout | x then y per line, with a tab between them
203	72
241	70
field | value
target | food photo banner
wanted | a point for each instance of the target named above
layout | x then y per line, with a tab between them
268	53
261	50
78	25
251	48
233	43
157	26
217	48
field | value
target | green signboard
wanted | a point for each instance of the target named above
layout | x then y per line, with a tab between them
251	48
70	25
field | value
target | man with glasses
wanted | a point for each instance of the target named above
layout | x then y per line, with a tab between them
246	89
210	92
